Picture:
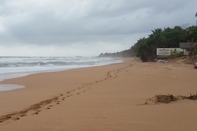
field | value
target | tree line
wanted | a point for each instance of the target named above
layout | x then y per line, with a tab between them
145	48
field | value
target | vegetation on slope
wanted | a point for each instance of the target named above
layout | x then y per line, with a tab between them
145	48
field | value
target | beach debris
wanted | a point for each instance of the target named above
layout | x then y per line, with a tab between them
161	60
168	98
165	98
192	97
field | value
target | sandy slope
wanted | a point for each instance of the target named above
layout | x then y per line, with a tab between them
107	98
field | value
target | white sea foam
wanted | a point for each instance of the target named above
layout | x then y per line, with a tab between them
7	87
13	67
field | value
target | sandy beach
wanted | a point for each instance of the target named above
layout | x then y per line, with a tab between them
105	98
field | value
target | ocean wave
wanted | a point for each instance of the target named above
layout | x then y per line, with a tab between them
29	64
56	63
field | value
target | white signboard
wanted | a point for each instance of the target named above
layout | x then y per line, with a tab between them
168	51
163	51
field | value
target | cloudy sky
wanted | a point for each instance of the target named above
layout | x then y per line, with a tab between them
85	27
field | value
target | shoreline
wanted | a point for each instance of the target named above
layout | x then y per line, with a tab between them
104	98
24	74
28	84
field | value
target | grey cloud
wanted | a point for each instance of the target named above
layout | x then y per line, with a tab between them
89	21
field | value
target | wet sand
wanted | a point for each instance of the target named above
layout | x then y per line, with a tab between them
107	98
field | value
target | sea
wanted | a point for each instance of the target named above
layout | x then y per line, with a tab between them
13	67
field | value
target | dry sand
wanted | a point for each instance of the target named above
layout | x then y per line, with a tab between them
107	98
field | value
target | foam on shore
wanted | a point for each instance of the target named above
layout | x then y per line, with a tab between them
7	87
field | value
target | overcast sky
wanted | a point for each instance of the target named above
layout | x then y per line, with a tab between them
85	27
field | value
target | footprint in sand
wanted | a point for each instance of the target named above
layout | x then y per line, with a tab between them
63	98
49	107
22	115
37	112
16	118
